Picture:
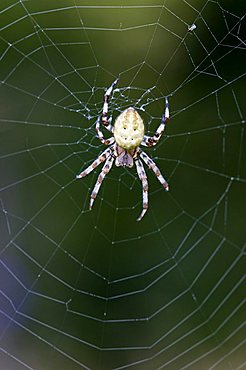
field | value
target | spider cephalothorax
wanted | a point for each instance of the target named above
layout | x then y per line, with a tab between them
128	135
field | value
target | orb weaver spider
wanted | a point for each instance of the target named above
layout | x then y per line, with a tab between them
124	147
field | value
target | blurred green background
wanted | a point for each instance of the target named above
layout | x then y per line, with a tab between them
98	290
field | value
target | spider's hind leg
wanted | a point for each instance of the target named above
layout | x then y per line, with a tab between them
106	168
100	159
142	176
152	166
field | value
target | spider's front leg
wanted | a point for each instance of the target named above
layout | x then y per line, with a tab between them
104	118
153	140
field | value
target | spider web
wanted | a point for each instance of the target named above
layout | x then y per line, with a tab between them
84	289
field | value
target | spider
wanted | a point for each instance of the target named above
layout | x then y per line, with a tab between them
128	135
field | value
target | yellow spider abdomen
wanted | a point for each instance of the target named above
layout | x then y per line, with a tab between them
128	129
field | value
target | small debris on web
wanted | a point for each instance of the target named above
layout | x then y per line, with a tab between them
192	27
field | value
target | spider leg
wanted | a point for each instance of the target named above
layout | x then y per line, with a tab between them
142	176
106	168
101	158
100	134
151	164
104	118
153	140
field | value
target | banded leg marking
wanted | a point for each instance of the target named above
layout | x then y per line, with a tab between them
142	176
104	117
101	158
151	164
106	168
153	140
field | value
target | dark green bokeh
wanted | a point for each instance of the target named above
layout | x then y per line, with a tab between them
65	272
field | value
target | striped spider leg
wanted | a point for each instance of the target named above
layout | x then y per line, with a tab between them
108	156
104	118
152	166
106	168
142	176
100	159
153	140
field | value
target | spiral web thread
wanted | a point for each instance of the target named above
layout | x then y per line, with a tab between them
90	289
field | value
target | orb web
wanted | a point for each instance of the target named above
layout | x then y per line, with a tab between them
84	289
